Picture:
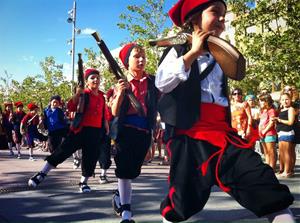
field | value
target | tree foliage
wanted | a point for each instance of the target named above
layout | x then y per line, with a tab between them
272	50
37	88
144	22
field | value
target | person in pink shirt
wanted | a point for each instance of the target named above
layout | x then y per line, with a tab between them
266	129
88	136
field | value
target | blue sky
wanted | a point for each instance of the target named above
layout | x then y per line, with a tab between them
34	29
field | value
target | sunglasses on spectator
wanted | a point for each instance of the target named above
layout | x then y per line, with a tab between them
236	93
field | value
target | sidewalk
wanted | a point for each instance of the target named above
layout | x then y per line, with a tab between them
58	199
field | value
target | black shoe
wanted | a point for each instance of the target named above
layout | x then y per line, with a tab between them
116	203
36	179
84	188
103	180
76	163
127	221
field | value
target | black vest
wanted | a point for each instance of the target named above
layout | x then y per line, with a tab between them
180	108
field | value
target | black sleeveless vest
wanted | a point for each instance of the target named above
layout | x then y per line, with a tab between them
180	108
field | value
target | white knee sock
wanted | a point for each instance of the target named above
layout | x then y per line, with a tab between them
125	191
84	179
46	169
103	172
18	146
9	146
30	151
283	216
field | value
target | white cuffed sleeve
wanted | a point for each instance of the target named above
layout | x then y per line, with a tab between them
171	72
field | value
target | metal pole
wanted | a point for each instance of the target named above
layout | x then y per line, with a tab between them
73	42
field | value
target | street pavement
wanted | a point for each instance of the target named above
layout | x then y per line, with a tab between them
58	199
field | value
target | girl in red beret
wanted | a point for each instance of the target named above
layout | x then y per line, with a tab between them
204	149
134	130
29	128
88	135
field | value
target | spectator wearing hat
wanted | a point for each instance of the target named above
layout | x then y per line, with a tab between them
88	135
29	128
134	130
55	122
8	126
18	115
204	149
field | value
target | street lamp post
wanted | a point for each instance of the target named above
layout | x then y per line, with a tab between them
72	19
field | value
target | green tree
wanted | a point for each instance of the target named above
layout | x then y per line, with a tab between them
272	51
37	88
144	22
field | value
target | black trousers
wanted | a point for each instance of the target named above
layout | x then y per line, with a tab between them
104	157
132	146
89	139
55	138
253	184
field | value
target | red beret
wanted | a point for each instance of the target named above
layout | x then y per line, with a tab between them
183	9
89	72
32	106
18	104
125	53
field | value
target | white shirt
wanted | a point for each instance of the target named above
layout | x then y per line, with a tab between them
171	72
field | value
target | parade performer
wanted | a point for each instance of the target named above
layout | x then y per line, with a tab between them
29	128
204	149
55	122
18	115
88	136
134	131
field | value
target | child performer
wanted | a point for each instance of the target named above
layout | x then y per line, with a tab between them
29	126
88	136
134	135
18	115
204	149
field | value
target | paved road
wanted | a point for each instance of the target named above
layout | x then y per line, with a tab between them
58	199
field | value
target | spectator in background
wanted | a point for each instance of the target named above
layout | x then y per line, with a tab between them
266	129
3	138
8	126
250	99
241	119
292	90
286	135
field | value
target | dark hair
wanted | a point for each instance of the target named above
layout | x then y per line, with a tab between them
238	90
187	26
267	98
287	94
